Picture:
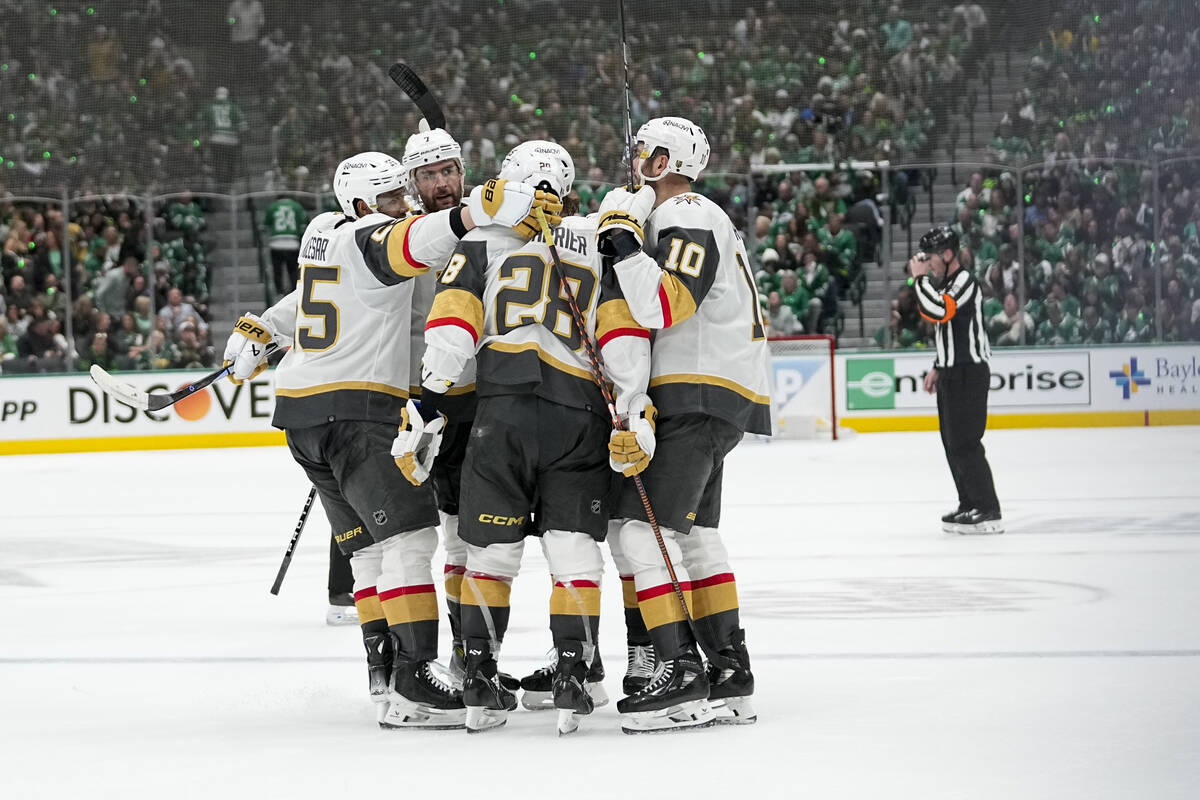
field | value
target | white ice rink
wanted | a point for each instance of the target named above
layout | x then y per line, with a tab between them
141	655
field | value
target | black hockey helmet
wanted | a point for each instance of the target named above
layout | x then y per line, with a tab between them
939	240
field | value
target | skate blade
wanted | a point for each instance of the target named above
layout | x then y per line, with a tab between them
597	693
692	715
568	722
734	711
481	720
980	529
341	615
537	701
406	715
381	707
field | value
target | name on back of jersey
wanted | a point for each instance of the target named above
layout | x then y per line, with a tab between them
315	249
568	239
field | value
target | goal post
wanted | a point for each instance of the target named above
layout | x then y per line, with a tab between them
803	401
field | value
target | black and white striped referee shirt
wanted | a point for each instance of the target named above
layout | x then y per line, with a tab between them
957	313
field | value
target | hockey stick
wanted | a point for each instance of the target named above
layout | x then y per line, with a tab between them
287	556
154	401
628	107
411	84
597	370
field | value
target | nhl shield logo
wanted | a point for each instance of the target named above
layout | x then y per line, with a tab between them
380	517
595	506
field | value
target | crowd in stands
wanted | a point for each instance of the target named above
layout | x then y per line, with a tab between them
131	307
1106	93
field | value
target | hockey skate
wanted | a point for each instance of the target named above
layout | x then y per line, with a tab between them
639	668
675	698
975	521
422	698
487	700
379	669
569	686
537	688
342	610
948	520
730	687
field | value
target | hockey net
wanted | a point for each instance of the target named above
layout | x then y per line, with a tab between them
803	402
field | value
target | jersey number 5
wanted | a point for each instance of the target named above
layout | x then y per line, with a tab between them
323	310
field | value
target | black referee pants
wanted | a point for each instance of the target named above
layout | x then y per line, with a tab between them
962	395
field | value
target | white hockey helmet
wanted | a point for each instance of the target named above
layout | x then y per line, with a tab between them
683	140
536	162
365	177
428	147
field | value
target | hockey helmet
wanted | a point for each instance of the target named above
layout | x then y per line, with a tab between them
365	177
539	162
940	239
429	147
684	141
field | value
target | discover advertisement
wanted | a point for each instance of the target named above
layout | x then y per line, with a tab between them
72	412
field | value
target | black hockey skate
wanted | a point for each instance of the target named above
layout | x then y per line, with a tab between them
948	520
569	686
537	688
423	698
730	686
676	698
487	700
379	669
976	521
639	667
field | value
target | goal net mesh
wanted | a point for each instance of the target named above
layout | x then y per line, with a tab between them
802	387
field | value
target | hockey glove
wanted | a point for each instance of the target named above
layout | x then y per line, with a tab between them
417	443
622	215
551	206
630	451
512	204
246	348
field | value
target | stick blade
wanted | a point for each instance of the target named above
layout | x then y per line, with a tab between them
411	84
120	390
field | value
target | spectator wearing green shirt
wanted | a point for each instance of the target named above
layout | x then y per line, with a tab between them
817	282
1133	326
823	204
284	223
1094	329
1058	329
223	123
185	215
835	239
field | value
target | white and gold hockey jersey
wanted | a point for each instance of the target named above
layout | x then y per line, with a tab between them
693	289
350	316
500	299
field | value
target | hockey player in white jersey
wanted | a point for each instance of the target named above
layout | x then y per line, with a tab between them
537	451
433	163
683	274
342	390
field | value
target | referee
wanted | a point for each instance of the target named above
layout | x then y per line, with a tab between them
949	297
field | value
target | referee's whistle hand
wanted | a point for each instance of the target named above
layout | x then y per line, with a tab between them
931	381
918	266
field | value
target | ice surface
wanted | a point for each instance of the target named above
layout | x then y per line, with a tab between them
141	655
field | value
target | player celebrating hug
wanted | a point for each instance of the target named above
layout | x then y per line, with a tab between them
703	385
538	445
342	390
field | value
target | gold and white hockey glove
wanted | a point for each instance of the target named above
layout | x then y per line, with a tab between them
622	215
417	443
246	348
551	206
630	451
